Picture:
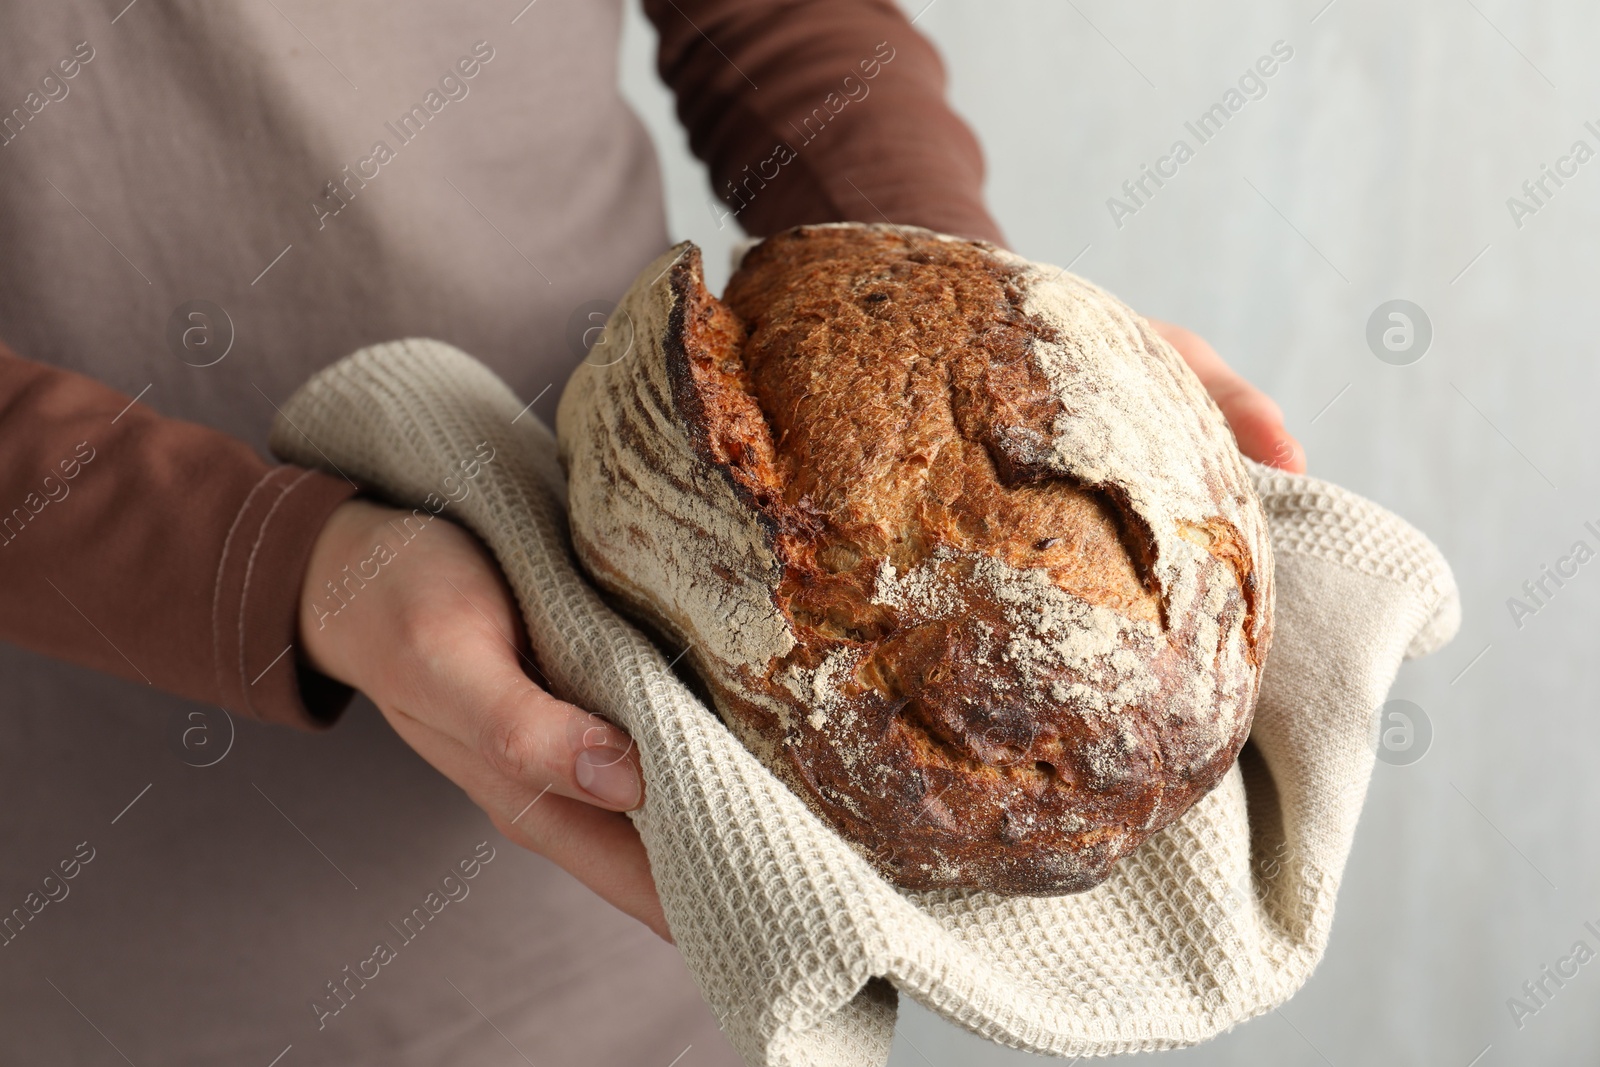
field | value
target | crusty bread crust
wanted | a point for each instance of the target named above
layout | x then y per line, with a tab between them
1009	585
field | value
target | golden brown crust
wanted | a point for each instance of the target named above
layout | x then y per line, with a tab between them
876	399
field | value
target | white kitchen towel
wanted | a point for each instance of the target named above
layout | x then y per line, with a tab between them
795	941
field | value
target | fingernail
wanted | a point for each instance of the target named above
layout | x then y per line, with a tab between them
609	776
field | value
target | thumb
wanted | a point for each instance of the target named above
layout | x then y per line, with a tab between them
469	685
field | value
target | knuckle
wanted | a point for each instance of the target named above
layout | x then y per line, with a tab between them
514	748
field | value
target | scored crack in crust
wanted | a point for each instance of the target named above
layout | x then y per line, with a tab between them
957	545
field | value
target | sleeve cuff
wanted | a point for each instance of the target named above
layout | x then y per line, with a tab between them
255	607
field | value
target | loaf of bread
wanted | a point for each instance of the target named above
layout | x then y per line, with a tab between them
954	542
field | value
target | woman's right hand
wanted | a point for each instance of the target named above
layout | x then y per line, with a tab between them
419	619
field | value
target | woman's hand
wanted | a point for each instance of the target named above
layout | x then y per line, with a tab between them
419	619
1257	422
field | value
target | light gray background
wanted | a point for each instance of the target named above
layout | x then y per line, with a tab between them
1377	167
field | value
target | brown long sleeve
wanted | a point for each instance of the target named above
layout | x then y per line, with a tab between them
153	548
823	111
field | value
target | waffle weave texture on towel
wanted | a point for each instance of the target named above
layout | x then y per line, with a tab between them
796	943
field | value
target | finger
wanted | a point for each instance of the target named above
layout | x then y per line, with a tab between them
1256	420
463	674
530	737
1212	370
473	690
1261	434
600	848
